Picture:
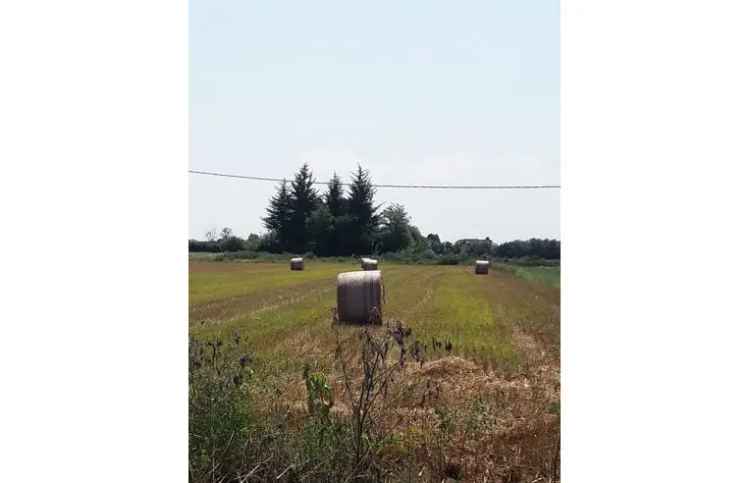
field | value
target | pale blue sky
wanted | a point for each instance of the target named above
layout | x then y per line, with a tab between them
425	92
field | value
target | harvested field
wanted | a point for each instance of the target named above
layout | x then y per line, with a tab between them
484	398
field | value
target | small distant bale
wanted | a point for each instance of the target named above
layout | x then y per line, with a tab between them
482	267
359	296
369	264
297	263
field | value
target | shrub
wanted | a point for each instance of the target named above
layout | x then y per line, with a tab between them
232	244
217	416
203	246
239	255
449	260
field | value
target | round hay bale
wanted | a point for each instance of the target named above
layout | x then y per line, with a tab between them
297	263
482	267
369	264
359	296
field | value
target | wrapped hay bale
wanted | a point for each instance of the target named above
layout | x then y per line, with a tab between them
482	267
369	264
359	296
297	263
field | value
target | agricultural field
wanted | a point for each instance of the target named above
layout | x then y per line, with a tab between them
475	399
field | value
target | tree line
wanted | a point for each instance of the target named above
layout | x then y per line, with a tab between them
345	222
337	222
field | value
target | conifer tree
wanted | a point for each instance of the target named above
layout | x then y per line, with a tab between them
334	198
363	216
336	204
304	200
278	216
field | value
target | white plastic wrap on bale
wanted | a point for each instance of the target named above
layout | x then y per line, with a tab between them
369	264
357	294
482	267
297	263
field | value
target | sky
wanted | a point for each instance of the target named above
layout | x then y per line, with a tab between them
417	92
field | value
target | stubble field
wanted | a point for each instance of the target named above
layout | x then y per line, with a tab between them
491	348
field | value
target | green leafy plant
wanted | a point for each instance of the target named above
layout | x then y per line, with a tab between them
319	394
217	419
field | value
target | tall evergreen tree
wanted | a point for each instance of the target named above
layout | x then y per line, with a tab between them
363	214
278	216
336	204
334	198
320	227
304	200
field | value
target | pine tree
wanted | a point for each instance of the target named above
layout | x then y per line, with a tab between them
279	215
320	227
336	204
363	214
334	199
304	200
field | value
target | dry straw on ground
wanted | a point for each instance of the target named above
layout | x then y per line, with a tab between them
359	296
297	263
450	411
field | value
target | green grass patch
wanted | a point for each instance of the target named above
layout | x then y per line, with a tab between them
546	275
286	316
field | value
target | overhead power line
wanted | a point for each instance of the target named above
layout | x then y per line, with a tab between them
416	186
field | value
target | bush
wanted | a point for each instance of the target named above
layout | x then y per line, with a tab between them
203	246
230	438
543	249
269	242
217	415
241	255
449	260
232	244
